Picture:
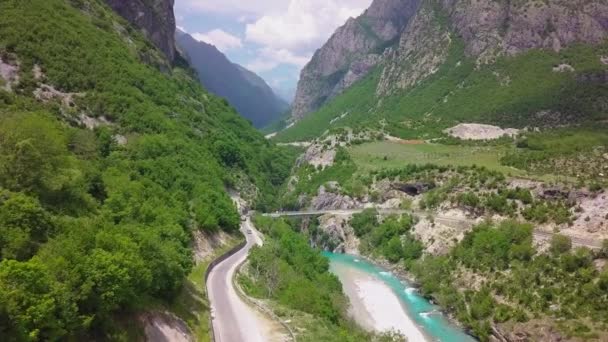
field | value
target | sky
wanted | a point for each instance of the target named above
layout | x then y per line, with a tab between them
274	38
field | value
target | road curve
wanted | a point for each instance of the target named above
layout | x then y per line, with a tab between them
233	320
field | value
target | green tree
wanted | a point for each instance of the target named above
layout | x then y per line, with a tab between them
24	226
229	153
603	252
114	279
33	153
288	269
579	258
603	281
487	247
32	306
393	250
469	199
412	248
560	244
364	222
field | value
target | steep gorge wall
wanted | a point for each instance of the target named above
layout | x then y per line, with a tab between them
419	33
490	28
154	17
352	51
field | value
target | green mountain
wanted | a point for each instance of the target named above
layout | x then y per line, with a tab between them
243	89
503	230
110	157
515	63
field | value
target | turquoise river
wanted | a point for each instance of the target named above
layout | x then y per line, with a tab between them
427	316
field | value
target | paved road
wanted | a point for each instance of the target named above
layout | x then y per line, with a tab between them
448	221
234	320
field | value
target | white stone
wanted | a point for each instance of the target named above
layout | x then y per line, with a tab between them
563	68
480	132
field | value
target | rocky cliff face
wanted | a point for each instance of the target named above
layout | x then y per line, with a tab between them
154	17
422	48
491	28
351	53
411	39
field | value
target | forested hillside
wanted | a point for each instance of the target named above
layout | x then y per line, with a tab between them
295	278
107	164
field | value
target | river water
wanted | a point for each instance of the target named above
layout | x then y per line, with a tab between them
373	292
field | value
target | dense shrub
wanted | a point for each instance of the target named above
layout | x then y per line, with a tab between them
364	222
287	269
525	283
560	244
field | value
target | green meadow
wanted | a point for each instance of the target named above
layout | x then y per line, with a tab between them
391	155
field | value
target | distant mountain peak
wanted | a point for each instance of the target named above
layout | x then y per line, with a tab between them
247	92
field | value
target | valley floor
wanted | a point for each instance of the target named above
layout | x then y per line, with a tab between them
374	306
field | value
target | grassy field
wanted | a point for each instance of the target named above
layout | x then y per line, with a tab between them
385	154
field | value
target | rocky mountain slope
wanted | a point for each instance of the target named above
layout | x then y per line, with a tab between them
489	29
154	17
352	51
419	67
243	89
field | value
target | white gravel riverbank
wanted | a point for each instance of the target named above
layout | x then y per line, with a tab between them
374	306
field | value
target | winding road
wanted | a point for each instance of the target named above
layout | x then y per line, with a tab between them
233	319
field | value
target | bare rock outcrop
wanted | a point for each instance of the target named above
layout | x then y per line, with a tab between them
205	244
154	17
332	200
351	53
593	216
480	132
533	330
9	73
440	234
339	235
47	93
422	49
165	326
411	39
492	28
318	154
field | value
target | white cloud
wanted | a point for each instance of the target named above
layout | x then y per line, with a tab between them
304	25
280	32
181	28
269	58
260	65
244	19
258	7
223	40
